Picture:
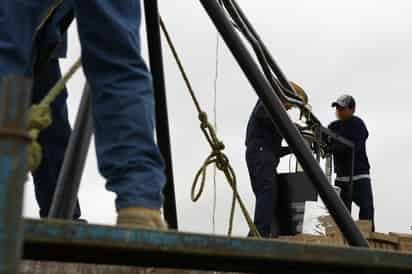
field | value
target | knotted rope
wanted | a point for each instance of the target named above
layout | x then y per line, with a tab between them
217	156
40	117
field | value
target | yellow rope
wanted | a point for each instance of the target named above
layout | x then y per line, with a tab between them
48	14
216	157
40	117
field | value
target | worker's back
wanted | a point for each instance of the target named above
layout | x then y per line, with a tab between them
261	130
354	130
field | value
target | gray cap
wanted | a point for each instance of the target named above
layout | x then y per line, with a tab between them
345	101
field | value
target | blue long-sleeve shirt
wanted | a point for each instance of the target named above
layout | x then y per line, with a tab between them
354	130
261	131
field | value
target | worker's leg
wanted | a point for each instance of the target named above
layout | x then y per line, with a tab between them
363	197
18	21
53	140
345	194
123	102
262	173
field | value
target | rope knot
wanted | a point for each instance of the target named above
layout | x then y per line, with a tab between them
216	157
40	118
204	120
218	147
222	162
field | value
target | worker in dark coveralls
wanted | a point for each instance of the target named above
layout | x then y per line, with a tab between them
263	152
54	139
122	95
354	129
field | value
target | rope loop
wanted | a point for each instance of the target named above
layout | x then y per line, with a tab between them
216	157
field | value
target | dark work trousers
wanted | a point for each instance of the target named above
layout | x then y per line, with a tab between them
362	196
262	164
53	140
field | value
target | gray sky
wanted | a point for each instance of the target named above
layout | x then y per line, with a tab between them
330	47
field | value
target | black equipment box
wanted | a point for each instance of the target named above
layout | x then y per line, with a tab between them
295	189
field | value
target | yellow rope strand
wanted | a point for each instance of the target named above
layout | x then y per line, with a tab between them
48	14
40	117
216	157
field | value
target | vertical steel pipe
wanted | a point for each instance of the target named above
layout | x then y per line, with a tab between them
65	195
14	103
350	194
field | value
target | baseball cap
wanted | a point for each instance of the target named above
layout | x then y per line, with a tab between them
344	101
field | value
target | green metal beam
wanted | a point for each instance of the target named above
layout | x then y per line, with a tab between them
80	243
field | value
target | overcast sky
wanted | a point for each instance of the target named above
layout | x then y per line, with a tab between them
330	47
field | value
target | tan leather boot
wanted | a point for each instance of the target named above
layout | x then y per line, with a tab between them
138	217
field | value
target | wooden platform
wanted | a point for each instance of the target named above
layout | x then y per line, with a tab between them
388	242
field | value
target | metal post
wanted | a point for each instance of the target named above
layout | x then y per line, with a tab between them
328	168
162	120
350	190
346	194
282	120
14	101
65	195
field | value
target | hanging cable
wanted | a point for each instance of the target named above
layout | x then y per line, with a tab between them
284	93
280	85
215	83
216	128
216	157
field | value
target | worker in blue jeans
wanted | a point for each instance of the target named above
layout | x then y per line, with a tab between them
122	95
54	139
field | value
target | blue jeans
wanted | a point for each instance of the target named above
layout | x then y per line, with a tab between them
122	93
261	163
54	139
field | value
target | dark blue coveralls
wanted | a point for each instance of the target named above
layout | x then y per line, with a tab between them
54	140
354	130
122	93
263	152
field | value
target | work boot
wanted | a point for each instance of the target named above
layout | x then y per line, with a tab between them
139	217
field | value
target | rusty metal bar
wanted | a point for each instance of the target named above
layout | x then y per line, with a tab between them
14	103
79	243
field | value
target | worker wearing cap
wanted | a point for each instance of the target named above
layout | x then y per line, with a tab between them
263	152
354	129
122	95
55	138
